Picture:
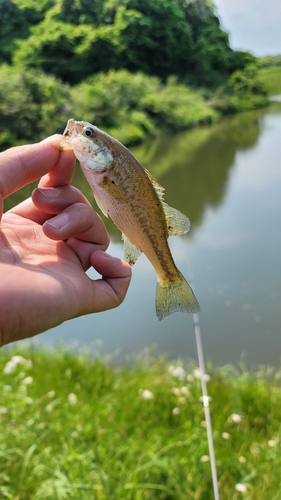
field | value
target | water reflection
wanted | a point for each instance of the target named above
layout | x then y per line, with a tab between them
227	179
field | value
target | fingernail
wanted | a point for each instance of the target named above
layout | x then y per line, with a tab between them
59	221
49	193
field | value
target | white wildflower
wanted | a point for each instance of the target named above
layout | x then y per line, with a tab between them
185	390
242	487
51	394
242	459
3	410
14	362
28	401
72	399
27	380
235	418
7	388
272	442
225	435
197	373
146	394
190	378
205	458
176	391
175	411
177	372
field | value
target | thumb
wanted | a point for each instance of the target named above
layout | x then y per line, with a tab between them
22	165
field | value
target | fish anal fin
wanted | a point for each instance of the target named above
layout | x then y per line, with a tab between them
175	296
177	223
131	252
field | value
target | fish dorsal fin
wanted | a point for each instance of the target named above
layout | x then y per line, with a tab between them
131	252
158	188
177	223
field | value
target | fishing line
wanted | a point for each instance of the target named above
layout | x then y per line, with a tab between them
205	397
206	404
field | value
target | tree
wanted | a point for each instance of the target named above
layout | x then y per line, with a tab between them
73	40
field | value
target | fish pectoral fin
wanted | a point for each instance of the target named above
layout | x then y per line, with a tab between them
177	223
100	205
131	252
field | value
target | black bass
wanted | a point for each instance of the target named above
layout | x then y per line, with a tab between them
127	192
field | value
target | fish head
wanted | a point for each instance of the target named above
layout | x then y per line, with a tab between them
91	146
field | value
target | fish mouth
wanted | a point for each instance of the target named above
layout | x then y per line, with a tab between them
73	128
71	131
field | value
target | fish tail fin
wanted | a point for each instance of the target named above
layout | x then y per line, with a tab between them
173	296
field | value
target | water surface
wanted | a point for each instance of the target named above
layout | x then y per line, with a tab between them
227	179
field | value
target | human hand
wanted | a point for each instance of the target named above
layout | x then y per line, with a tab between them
47	242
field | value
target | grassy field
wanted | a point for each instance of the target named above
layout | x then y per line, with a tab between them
73	427
271	78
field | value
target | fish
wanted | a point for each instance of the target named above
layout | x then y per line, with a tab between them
125	191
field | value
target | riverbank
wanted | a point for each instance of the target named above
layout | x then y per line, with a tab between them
77	427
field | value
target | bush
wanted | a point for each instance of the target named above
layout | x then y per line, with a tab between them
32	105
134	106
244	91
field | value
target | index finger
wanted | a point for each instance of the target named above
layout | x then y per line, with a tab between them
22	165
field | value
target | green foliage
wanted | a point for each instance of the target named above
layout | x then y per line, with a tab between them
73	40
270	74
16	19
211	60
106	50
32	105
269	61
76	427
244	90
133	106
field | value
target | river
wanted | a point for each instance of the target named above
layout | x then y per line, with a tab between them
227	179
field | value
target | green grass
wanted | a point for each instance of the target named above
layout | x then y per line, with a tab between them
271	79
73	427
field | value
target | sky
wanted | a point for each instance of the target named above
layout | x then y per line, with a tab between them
252	25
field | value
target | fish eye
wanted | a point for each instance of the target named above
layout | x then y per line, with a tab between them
89	132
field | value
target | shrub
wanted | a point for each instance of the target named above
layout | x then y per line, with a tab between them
32	105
